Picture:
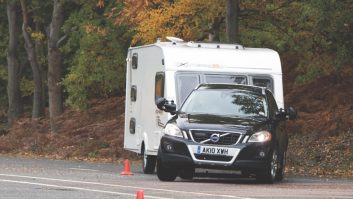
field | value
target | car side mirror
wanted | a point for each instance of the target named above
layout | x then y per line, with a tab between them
280	114
165	105
160	103
291	113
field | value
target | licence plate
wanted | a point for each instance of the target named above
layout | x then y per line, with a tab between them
210	150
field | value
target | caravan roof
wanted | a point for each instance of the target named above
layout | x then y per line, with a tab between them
190	55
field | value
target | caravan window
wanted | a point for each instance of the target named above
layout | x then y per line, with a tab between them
134	61
231	79
186	83
159	85
133	93
266	82
132	125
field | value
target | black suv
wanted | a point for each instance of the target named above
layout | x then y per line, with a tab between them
224	127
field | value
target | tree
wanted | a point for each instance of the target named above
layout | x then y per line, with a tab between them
232	21
187	19
54	68
4	42
13	66
98	48
38	106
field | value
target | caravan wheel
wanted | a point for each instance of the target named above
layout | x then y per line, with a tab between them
148	162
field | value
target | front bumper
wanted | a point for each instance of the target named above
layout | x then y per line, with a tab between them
181	153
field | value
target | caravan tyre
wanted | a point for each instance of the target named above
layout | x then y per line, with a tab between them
148	162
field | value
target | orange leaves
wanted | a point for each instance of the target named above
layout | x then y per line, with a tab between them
152	19
132	8
188	19
100	4
90	28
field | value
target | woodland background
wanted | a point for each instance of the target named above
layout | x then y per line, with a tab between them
62	70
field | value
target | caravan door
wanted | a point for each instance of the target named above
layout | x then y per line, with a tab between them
132	131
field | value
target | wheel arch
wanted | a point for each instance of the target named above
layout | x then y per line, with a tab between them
144	142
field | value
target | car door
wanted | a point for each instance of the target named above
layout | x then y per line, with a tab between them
278	126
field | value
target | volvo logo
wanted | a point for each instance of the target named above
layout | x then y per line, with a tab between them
215	137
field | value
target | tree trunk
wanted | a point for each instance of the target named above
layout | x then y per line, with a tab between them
213	35
40	52
233	21
54	70
38	108
13	67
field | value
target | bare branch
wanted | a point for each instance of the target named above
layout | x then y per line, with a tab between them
251	12
61	40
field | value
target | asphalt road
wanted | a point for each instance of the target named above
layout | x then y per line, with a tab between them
37	179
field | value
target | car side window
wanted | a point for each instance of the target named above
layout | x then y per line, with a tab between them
273	108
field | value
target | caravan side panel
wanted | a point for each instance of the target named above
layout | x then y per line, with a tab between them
141	112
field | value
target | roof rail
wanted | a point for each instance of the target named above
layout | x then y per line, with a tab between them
215	45
174	39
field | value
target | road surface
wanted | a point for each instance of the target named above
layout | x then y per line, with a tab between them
37	179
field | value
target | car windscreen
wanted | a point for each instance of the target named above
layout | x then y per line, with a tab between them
225	102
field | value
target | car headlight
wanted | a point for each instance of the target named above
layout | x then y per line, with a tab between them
173	130
262	136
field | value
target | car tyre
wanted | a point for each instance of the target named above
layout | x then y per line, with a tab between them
148	162
270	174
165	173
281	168
187	173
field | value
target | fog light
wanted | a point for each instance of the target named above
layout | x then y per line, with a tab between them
169	147
262	154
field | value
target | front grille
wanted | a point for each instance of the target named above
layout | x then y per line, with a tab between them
213	157
204	137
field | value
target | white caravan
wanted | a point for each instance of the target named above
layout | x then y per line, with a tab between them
172	70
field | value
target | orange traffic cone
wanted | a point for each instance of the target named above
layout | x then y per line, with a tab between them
126	171
139	194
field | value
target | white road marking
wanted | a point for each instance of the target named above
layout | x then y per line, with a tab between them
125	186
79	169
78	188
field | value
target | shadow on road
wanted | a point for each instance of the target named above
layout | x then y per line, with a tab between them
222	178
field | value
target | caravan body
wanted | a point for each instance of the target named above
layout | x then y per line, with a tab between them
173	69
